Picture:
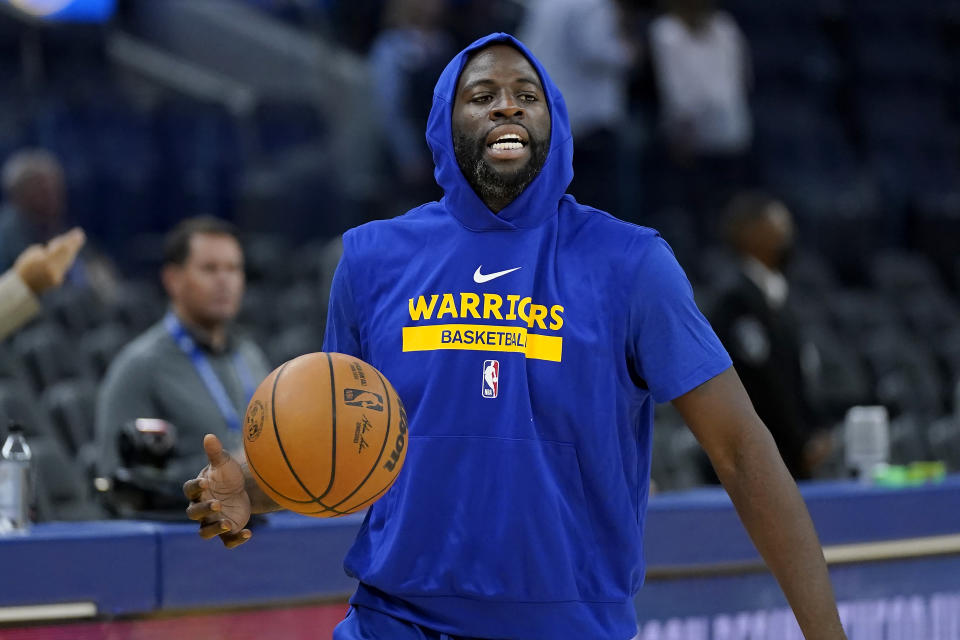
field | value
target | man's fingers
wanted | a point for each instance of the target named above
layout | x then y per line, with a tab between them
63	249
215	528
193	489
214	449
231	540
201	510
68	243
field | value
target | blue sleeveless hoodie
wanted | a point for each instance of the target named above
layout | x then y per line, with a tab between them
529	347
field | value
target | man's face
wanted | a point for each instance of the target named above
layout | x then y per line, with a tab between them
41	194
208	287
501	124
770	237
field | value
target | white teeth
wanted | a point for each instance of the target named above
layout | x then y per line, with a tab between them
509	137
507	146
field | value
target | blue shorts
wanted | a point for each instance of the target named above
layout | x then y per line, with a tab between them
363	623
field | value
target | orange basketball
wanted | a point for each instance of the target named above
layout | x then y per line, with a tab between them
325	435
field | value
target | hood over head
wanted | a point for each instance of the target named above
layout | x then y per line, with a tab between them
539	200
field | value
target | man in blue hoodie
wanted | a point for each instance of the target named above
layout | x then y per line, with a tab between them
529	337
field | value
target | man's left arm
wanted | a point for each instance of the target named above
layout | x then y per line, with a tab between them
746	460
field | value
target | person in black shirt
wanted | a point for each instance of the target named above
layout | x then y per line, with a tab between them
753	319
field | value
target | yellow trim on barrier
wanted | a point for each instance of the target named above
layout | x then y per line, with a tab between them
478	337
859	552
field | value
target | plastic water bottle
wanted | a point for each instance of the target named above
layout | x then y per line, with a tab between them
15	482
866	435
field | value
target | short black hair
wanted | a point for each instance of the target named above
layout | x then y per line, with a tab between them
744	209
176	245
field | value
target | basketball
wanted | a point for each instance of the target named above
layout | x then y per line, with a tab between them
325	435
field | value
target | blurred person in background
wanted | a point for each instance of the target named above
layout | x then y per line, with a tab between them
35	202
36	269
34	211
586	46
701	76
406	57
189	374
754	321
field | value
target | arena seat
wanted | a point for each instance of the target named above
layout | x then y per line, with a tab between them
63	493
844	380
138	305
294	341
71	405
265	258
897	273
856	312
101	345
258	312
49	356
18	403
76	309
904	372
811	273
908	439
930	314
10	367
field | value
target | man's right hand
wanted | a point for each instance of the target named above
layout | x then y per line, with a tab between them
43	267
218	499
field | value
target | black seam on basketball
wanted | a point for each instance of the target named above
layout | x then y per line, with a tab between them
269	486
289	499
333	430
260	475
276	432
383	447
373	497
282	495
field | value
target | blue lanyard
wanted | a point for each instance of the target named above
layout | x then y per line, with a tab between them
210	380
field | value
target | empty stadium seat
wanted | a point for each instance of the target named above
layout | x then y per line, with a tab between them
930	313
905	374
292	342
101	345
10	367
946	349
301	305
811	273
843	380
71	405
808	308
75	309
138	305
898	273
908	439
18	403
63	492
943	436
858	312
49	356
259	310
678	460
265	258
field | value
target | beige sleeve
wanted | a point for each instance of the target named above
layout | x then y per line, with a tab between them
17	303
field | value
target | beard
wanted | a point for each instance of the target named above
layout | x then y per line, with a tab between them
491	185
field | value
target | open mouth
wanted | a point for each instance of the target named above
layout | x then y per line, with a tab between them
508	142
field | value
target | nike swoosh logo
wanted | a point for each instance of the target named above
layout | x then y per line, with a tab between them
480	278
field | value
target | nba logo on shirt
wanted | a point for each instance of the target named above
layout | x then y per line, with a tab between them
491	378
